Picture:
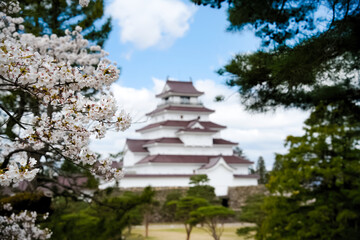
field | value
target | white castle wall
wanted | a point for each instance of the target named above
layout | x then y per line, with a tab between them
154	182
131	158
242	169
159	133
167	149
185	116
196	140
164	168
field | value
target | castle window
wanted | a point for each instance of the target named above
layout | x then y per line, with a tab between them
184	100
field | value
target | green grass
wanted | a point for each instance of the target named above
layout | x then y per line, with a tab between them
177	232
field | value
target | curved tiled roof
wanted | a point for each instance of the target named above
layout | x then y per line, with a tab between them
212	162
182	109
223	141
180	87
205	130
191	159
164	140
182	124
138	145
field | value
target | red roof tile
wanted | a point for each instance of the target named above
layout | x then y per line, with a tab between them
236	160
157	175
182	109
165	140
182	124
136	145
223	141
212	162
180	87
191	159
197	130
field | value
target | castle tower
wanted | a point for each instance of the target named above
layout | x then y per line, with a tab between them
181	141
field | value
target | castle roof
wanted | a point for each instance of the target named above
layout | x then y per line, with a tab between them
136	145
181	109
191	159
139	145
179	88
182	124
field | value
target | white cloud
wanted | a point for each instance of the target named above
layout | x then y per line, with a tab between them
261	134
147	23
257	134
136	102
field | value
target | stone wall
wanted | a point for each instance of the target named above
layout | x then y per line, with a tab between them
238	195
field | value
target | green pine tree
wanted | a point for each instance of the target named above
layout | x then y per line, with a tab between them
300	65
261	171
55	16
315	194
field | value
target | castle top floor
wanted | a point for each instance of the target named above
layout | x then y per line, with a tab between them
179	93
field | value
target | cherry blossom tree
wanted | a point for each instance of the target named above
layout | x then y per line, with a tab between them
57	73
22	225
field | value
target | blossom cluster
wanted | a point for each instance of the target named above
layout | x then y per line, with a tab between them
58	72
21	226
84	3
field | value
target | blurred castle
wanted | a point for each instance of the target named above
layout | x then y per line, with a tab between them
179	142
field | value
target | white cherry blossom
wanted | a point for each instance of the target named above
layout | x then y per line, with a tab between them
21	225
57	72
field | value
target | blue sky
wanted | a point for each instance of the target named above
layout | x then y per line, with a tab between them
203	48
155	39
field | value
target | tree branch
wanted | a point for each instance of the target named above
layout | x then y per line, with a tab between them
11	116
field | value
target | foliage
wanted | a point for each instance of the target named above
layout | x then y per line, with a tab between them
314	56
201	189
46	18
261	170
47	114
239	152
28	201
246	232
148	207
184	207
200	179
315	194
213	218
168	210
133	217
251	212
309	60
53	71
105	219
55	16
